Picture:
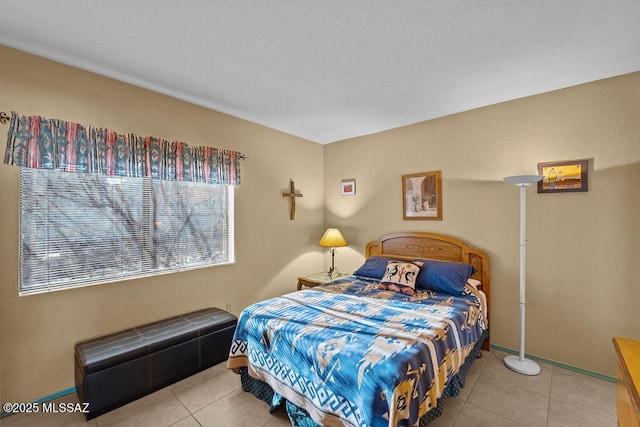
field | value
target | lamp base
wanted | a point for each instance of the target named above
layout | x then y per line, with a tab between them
524	366
333	265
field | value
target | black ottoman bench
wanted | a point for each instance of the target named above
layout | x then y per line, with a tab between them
116	369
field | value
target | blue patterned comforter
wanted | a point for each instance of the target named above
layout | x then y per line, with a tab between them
354	355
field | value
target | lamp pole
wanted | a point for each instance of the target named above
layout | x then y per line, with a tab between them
332	269
519	363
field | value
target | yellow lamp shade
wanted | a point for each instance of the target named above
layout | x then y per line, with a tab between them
332	238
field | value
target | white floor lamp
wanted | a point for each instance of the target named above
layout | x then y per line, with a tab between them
519	363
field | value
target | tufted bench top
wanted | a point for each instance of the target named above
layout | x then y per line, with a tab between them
110	350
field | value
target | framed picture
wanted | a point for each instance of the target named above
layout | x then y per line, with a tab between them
422	196
348	187
564	176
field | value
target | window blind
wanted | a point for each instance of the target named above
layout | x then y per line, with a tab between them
85	229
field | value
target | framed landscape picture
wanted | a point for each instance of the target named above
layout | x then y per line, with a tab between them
564	176
422	196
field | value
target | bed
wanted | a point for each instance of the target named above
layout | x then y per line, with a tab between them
384	346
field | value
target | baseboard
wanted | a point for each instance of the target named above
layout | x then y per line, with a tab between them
558	364
45	399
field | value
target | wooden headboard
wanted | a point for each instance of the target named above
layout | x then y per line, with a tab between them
439	247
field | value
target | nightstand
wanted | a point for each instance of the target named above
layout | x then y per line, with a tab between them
318	279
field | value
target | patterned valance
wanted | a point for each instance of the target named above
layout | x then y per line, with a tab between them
38	142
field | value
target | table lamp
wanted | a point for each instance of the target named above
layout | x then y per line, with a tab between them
331	239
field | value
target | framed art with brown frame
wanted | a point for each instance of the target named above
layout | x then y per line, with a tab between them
566	176
422	196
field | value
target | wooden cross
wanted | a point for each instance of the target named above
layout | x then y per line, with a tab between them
292	194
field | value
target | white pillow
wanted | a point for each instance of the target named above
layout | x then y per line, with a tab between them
474	282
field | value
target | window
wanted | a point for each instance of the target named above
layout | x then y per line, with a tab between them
81	229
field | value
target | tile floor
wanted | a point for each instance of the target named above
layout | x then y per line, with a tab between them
494	396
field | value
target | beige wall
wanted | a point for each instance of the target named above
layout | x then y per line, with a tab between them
583	273
582	247
37	333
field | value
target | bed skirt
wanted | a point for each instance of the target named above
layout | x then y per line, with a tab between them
300	418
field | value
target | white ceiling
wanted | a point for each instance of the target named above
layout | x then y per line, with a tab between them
328	70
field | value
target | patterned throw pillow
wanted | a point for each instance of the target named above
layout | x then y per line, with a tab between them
401	276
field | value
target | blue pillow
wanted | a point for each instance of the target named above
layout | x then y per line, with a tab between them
374	267
441	276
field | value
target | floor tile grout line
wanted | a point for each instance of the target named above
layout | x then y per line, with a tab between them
549	398
506	381
584	408
580	404
213	401
188	416
519	386
209	403
466	400
561	399
182	403
497	415
458	414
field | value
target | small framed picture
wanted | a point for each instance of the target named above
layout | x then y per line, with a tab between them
422	196
348	187
564	176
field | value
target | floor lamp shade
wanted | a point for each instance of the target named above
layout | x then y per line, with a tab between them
519	363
